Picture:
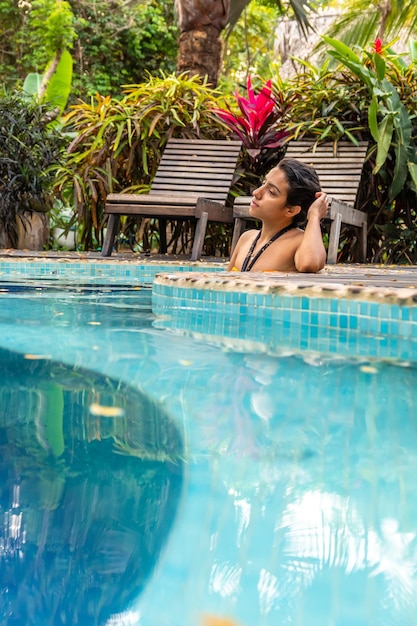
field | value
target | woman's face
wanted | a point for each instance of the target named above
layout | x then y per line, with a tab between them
270	199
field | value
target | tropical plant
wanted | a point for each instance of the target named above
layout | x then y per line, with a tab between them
29	149
257	122
390	122
370	96
392	111
322	105
362	21
118	144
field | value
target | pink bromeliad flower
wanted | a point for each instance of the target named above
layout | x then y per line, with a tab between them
378	46
255	126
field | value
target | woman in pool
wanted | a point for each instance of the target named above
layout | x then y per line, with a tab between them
289	195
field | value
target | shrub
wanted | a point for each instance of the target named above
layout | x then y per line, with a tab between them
29	151
118	143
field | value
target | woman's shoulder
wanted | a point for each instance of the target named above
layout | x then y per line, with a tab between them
249	234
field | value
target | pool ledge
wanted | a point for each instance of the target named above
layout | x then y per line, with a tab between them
352	312
356	282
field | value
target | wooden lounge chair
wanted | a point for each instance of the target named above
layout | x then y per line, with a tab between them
193	180
340	175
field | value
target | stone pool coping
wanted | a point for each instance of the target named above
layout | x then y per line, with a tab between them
376	284
371	282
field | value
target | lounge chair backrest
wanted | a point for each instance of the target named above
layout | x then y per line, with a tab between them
192	181
339	169
197	167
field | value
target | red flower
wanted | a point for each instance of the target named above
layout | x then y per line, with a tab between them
257	125
378	46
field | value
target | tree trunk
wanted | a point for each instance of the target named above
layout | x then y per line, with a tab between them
200	52
200	47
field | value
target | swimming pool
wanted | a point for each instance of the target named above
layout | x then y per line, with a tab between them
284	493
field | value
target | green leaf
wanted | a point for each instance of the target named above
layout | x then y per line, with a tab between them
32	84
59	86
351	138
325	133
361	72
412	168
385	137
403	125
342	49
373	118
379	65
412	45
400	171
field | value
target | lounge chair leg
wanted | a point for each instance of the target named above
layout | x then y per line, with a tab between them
363	242
237	231
200	233
334	239
162	235
112	229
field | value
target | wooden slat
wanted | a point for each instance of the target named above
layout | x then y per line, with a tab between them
204	142
189	181
137	198
200	152
196	172
152	210
176	187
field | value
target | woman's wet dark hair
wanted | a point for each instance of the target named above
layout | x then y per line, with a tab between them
303	184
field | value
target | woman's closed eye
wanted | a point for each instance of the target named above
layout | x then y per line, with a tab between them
271	189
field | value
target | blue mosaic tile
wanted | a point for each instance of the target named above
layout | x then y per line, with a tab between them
361	328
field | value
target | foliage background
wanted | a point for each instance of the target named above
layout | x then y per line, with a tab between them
116	43
116	135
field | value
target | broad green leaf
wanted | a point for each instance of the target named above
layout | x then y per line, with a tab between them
373	118
59	86
400	171
379	65
358	69
403	126
342	48
385	137
412	45
32	84
412	168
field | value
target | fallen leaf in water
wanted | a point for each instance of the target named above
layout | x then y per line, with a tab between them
106	411
368	369
212	620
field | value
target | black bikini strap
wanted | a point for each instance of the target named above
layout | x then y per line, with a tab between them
248	263
249	254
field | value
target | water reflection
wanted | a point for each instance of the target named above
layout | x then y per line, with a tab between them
90	479
321	490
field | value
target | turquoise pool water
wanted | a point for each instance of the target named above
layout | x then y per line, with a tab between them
239	483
